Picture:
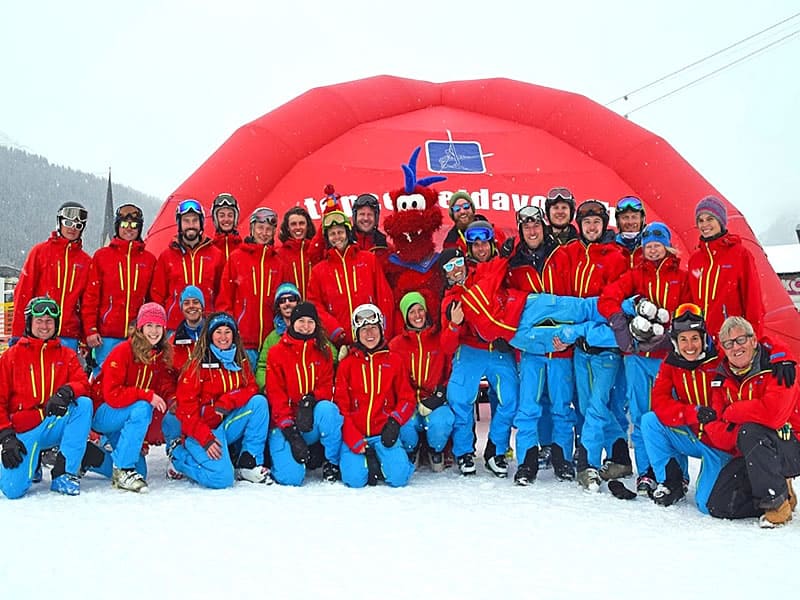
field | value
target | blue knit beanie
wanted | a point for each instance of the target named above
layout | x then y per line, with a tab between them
192	291
656	232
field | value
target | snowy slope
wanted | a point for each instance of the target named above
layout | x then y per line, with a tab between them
444	536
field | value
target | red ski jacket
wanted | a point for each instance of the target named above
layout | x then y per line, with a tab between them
340	283
723	281
370	388
227	242
427	356
123	380
179	266
119	283
30	372
593	266
57	268
206	392
247	290
296	368
298	257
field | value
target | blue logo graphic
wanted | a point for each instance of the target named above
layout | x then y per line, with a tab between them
448	156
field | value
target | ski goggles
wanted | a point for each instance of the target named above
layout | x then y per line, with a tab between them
656	232
129	212
479	234
264	215
740	340
456	262
225	201
366	317
687	308
560	193
44	307
529	214
456	208
74	213
335	219
629	203
189	206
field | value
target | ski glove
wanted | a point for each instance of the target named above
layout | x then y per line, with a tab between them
373	466
297	444
500	345
305	413
646	309
507	249
59	402
13	449
706	414
619	325
432	402
785	372
390	433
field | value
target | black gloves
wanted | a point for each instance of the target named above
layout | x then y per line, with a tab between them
59	402
785	372
373	466
304	419
706	414
507	248
390	432
13	449
622	334
435	400
297	444
500	345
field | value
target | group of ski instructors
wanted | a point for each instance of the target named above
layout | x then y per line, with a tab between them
259	360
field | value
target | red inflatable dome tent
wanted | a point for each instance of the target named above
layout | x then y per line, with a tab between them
504	141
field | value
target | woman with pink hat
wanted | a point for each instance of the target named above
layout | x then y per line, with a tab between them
136	379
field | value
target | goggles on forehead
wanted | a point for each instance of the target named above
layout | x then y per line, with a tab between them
335	219
528	214
739	341
366	317
129	212
479	234
456	262
225	201
79	225
687	308
629	203
655	232
45	307
189	206
264	215
73	213
559	194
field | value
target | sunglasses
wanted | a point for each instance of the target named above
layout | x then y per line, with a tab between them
187	206
366	317
560	194
79	225
527	214
264	215
459	207
45	308
285	299
479	234
335	219
687	308
629	203
456	262
739	341
129	225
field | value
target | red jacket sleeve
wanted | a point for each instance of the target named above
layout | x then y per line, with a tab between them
351	435
224	300
90	301
280	411
188	406
670	411
159	287
23	291
613	294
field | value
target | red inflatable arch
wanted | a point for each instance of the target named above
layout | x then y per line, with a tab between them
504	141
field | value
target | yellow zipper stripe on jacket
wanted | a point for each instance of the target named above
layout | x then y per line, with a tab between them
63	284
480	306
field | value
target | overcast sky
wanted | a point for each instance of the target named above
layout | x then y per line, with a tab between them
153	88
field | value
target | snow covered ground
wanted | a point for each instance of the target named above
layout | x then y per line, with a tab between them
444	536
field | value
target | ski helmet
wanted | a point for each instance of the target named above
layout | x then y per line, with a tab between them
190	205
42	306
225	200
367	200
131	215
72	214
556	195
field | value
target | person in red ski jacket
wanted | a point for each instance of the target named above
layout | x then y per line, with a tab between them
300	384
44	403
427	354
761	414
225	214
375	398
660	286
301	247
136	380
346	278
723	279
366	216
218	404
58	268
191	259
249	281
119	284
677	428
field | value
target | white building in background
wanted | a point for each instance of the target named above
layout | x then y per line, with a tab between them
785	259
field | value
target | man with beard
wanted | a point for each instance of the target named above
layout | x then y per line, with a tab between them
366	215
191	259
630	218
